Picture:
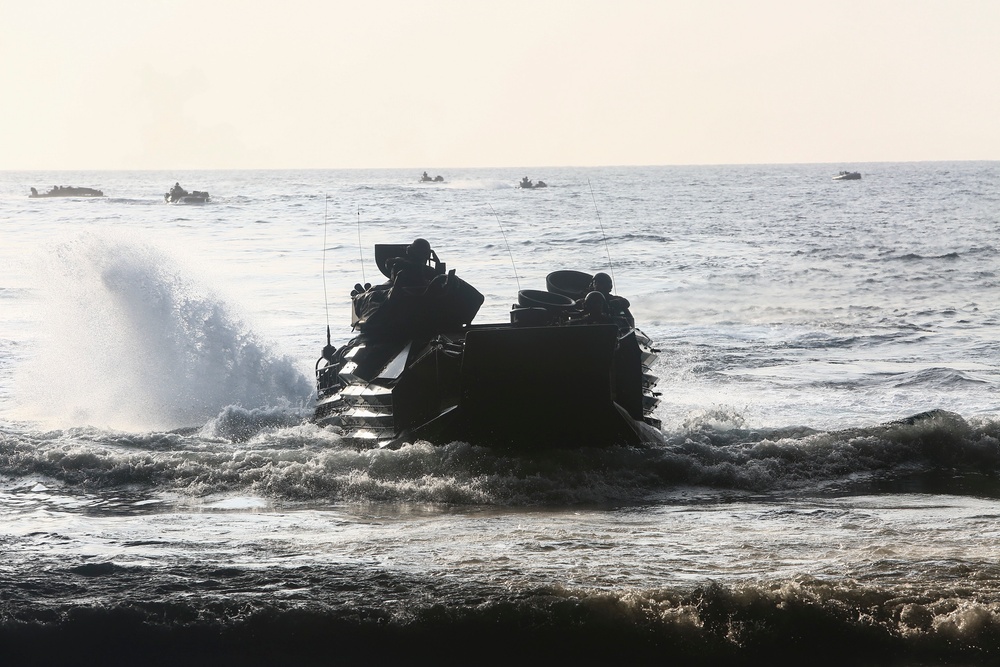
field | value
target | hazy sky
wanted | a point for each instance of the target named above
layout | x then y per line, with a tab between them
430	84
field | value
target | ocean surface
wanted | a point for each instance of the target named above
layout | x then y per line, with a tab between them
827	489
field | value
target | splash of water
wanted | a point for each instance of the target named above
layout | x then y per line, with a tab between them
131	341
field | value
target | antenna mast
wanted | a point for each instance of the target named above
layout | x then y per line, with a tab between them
326	300
508	246
361	251
607	248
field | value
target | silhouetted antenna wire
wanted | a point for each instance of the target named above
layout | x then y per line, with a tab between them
607	248
504	234
361	250
326	300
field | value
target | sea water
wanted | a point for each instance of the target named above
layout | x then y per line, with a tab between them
827	488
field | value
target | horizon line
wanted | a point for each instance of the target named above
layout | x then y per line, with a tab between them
422	168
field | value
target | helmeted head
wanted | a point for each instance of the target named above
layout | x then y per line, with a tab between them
602	283
594	304
419	251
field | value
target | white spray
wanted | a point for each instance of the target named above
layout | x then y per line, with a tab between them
131	342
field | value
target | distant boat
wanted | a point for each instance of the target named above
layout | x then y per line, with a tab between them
65	191
848	176
528	185
179	195
427	179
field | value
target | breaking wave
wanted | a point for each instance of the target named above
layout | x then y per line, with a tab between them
279	454
130	341
324	615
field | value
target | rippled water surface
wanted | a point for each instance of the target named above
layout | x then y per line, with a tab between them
826	489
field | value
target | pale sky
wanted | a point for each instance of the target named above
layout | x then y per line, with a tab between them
431	84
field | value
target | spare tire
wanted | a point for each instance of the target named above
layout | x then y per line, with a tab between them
574	284
535	298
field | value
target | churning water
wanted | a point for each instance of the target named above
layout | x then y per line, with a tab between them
826	490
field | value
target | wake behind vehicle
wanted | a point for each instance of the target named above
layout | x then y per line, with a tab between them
557	375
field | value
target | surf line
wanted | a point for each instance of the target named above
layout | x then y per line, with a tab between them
607	248
504	234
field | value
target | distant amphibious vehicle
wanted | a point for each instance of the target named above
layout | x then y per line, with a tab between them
527	184
66	191
848	176
569	370
178	195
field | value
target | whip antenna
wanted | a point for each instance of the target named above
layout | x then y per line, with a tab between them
508	246
361	250
326	300
607	248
